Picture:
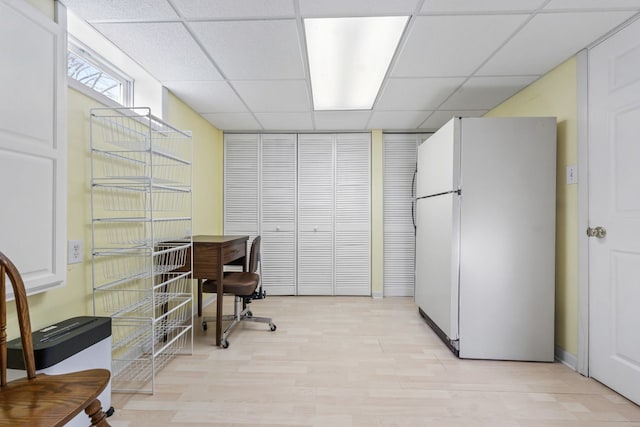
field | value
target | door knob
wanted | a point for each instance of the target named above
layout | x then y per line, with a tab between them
598	232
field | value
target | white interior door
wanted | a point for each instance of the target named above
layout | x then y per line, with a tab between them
278	213
614	204
352	213
315	214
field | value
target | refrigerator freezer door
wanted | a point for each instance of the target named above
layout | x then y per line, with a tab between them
439	161
437	256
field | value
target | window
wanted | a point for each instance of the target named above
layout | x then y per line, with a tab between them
93	72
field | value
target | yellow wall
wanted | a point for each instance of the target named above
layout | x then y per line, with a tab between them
76	297
207	166
555	94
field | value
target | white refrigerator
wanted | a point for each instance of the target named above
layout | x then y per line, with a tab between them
485	236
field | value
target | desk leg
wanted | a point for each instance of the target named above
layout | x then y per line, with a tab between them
219	298
199	297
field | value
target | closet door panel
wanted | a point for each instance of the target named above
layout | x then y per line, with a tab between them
352	214
241	172
315	214
278	213
315	263
400	155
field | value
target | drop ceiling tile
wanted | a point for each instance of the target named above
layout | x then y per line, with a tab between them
480	93
234	9
207	97
286	121
274	96
253	49
331	8
165	50
416	94
439	46
118	10
592	4
341	120
549	39
397	120
457	6
233	121
439	118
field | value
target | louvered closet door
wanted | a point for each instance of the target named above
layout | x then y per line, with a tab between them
352	214
315	214
400	153
241	168
278	215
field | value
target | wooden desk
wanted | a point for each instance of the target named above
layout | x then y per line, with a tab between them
210	254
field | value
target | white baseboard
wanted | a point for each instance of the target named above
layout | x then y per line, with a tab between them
377	295
566	358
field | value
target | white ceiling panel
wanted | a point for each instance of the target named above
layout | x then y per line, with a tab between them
253	49
274	96
458	6
234	9
480	93
397	120
286	121
233	121
242	64
416	94
434	44
207	97
341	120
119	10
165	50
592	4
439	118
549	39
341	8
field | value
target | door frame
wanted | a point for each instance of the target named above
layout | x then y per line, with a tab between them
582	78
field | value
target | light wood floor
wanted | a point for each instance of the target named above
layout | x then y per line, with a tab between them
352	361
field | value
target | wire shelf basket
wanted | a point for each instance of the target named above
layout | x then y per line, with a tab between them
141	233
141	210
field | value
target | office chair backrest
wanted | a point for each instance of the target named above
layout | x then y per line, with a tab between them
254	256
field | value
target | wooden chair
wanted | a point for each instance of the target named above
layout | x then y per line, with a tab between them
40	399
246	286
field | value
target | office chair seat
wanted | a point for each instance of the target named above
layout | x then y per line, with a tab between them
237	283
245	286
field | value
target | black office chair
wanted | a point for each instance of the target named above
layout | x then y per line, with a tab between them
246	286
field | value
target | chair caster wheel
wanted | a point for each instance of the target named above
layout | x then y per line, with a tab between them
224	343
272	326
249	313
204	326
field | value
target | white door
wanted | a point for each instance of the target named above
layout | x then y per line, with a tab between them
315	214
278	213
400	154
352	213
614	204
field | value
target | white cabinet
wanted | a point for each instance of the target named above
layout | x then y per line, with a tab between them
314	209
33	145
141	239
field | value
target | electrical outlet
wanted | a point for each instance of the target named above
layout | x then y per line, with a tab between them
75	252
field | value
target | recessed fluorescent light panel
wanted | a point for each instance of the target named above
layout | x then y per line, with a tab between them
349	57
